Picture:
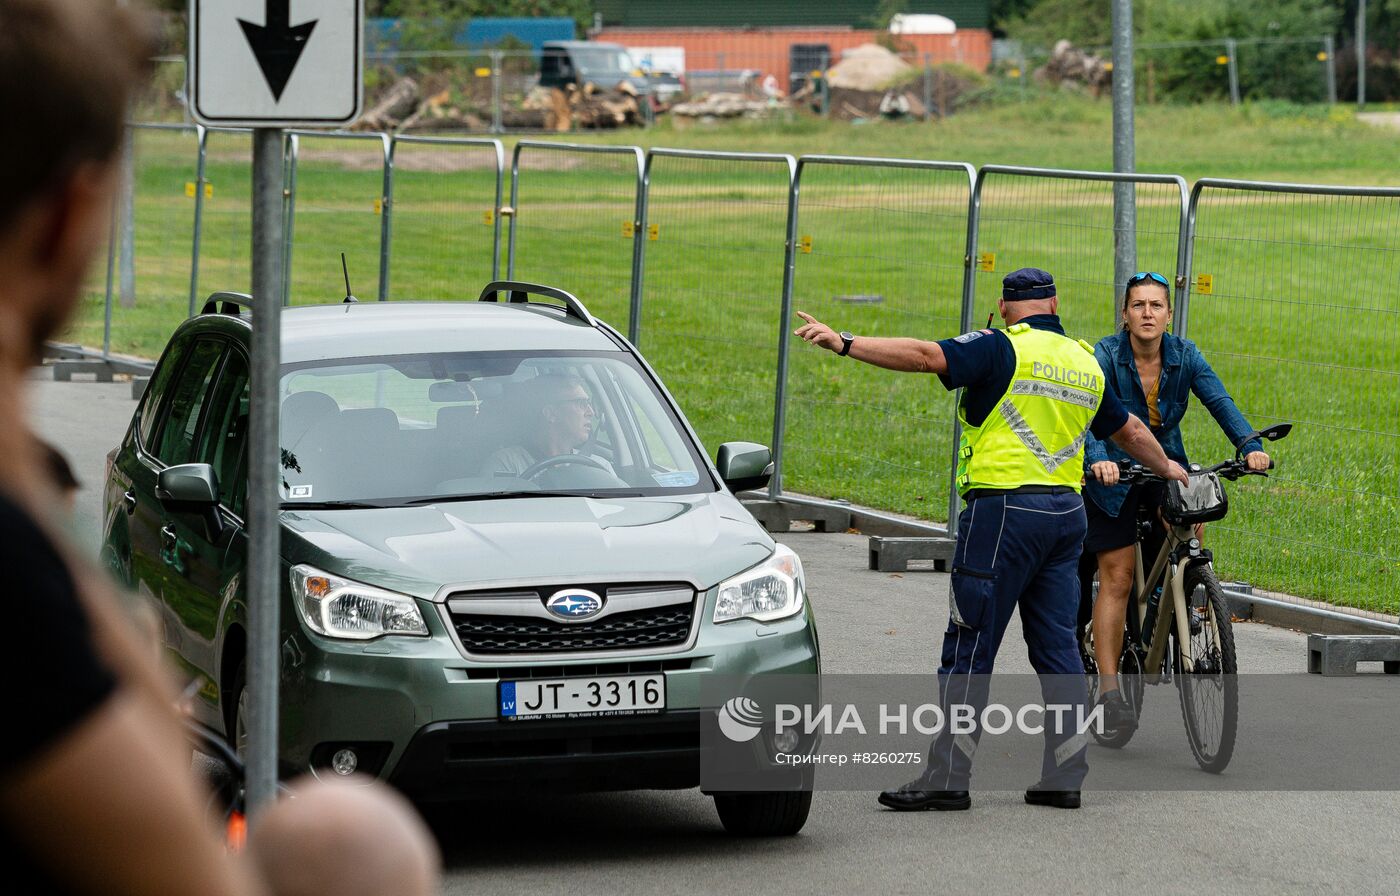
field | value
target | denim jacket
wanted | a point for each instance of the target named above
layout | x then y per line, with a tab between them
1184	370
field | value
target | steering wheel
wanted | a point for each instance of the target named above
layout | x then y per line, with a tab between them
560	460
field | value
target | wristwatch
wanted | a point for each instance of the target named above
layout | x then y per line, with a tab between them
847	337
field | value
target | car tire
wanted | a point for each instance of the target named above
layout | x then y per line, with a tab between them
235	712
777	814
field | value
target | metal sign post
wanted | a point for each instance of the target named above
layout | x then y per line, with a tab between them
264	543
252	65
1124	153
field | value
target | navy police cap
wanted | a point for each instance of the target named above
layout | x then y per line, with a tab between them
1027	283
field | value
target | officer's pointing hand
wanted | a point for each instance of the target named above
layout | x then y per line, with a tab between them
817	333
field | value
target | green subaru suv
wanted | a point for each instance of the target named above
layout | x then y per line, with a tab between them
506	562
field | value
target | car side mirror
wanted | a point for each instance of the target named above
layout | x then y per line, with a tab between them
744	465
192	488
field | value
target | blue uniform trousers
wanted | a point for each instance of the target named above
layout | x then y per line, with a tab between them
1020	549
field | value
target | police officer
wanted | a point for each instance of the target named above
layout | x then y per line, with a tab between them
1029	396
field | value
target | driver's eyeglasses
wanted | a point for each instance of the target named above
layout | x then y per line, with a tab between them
580	403
1143	276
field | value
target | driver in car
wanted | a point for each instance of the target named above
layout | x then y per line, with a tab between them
558	419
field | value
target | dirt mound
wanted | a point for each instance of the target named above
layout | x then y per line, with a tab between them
867	67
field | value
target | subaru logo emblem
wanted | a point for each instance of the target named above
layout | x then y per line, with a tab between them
573	604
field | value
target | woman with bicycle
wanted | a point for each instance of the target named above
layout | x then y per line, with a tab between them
1153	373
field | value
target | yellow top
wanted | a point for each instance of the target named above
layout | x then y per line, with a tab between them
1154	416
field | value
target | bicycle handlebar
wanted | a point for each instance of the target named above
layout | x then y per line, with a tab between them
1130	473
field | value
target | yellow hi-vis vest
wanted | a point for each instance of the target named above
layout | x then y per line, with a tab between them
1035	434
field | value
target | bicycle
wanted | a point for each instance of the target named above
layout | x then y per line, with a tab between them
1178	600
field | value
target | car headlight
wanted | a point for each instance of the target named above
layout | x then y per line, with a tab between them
340	608
774	589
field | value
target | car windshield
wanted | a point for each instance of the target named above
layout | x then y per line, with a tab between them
598	61
401	429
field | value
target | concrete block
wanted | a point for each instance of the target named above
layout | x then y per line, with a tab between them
771	515
1339	654
823	518
138	387
893	553
63	370
1237	599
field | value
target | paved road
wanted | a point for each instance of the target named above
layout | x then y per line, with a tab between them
1263	843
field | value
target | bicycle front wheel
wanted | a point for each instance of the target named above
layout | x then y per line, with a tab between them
1209	679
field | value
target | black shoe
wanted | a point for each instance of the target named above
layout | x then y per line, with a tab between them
1060	799
1117	714
912	797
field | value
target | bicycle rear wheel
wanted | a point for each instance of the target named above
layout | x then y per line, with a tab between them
1130	680
1209	680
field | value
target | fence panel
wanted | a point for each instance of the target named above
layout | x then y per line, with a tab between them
338	184
575	223
154	249
446	216
710	311
1294	305
1062	221
881	248
226	240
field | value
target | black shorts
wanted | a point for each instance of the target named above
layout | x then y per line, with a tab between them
1107	533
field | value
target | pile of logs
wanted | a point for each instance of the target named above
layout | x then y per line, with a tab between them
563	110
1072	67
722	105
409	106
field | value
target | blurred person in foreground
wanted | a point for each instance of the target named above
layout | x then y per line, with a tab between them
96	791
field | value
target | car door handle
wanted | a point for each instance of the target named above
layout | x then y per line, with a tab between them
129	499
167	537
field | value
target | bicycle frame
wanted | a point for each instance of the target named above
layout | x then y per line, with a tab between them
1172	606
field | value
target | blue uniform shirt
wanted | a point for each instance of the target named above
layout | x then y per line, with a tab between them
983	362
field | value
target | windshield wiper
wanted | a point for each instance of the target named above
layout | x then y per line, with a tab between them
336	505
517	493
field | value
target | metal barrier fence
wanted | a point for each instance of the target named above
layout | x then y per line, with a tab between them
713	303
151	248
336	196
445	198
223	260
712	252
1292	301
881	251
580	225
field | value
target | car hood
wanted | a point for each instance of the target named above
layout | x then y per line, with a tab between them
702	539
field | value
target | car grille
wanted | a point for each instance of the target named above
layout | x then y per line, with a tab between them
515	623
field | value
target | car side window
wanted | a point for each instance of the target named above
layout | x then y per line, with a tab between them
187	398
155	390
223	438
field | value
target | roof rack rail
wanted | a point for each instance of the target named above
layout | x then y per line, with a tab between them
227	303
521	291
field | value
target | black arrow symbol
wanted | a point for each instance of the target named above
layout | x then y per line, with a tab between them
277	44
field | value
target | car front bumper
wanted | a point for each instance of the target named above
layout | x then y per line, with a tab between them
425	718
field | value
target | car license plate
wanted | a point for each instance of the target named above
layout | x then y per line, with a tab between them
577	698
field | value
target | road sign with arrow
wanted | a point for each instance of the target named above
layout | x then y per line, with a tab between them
276	63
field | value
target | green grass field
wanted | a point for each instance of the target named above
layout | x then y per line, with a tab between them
1301	321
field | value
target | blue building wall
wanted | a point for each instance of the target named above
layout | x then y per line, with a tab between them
384	35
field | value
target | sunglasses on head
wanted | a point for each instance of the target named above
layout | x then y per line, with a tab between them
1144	276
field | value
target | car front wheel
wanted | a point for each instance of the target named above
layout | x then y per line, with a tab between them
778	814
